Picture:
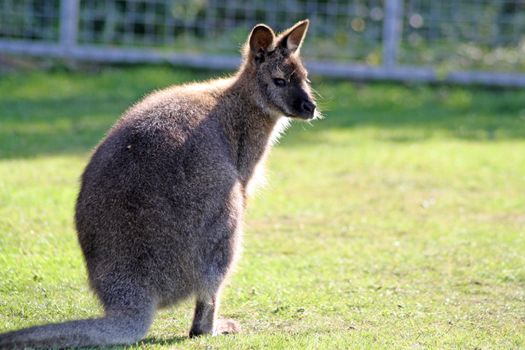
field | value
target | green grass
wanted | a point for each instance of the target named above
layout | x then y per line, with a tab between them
396	222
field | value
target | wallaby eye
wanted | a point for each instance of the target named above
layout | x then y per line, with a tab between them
279	82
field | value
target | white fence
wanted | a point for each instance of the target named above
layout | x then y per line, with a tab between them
461	41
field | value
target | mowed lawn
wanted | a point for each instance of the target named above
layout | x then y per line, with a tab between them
396	222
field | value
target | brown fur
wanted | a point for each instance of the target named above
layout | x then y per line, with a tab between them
160	208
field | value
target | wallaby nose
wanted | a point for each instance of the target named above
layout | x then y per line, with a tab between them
308	106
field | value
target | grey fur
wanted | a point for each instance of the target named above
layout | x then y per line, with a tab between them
161	203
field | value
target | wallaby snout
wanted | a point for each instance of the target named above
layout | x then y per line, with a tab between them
303	106
308	108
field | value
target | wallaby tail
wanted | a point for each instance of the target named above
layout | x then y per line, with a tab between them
114	329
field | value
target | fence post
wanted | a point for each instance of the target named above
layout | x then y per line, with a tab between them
392	27
68	25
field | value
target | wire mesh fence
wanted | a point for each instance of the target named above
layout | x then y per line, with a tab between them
465	41
220	27
30	20
468	34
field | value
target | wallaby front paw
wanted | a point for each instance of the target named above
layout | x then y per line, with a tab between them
227	326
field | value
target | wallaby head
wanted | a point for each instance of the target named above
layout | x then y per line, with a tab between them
274	68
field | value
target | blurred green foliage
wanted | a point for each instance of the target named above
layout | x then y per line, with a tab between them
467	34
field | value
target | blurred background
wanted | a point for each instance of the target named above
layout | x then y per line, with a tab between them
465	41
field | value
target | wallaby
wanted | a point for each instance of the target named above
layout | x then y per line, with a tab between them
160	208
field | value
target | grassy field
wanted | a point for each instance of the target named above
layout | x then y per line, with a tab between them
396	222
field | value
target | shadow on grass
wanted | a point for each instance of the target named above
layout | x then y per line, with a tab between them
170	341
75	122
145	342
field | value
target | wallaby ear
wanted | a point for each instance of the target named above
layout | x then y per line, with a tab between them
261	40
293	38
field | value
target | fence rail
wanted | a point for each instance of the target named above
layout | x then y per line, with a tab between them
357	39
